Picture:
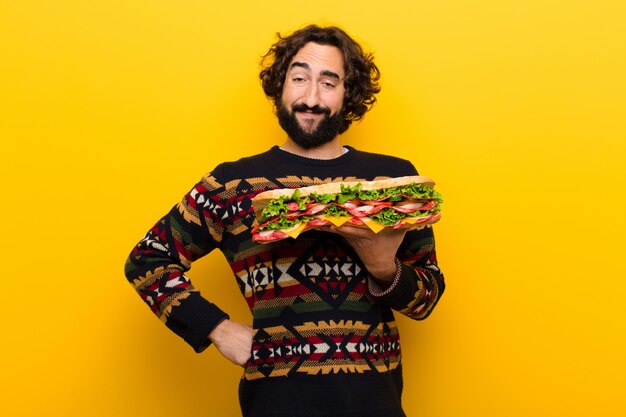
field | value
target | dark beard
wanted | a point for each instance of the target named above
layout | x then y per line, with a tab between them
327	129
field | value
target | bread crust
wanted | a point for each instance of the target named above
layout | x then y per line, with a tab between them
262	199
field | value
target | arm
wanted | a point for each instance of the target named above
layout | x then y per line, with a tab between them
403	269
233	340
156	267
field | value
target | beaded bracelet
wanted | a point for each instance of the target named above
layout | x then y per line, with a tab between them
393	283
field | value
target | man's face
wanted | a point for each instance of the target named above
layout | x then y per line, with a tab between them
312	96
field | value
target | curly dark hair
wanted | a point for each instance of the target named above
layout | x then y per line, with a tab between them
362	75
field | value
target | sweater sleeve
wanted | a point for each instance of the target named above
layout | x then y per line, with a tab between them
420	282
157	265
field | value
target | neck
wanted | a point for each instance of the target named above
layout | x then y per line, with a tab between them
329	150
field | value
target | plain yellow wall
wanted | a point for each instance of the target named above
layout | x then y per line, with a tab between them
111	110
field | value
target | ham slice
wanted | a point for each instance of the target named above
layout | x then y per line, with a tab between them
413	206
366	210
317	222
356	221
315	208
269	235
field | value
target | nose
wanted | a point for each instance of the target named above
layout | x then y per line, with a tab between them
311	95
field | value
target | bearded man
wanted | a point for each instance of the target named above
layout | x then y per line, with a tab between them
323	340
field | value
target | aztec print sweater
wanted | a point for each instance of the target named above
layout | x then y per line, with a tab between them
323	345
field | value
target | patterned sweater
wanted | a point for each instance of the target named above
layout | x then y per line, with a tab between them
323	345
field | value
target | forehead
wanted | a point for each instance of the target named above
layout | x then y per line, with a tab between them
319	58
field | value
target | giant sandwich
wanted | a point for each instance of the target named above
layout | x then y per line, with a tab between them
404	202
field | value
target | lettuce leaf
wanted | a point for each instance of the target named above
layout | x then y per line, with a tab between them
323	198
279	205
389	217
348	193
336	211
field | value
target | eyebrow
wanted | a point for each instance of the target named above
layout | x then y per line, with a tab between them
325	73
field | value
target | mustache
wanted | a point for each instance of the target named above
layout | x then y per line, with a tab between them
301	107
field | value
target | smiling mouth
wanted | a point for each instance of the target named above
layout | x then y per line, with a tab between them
309	113
303	108
309	121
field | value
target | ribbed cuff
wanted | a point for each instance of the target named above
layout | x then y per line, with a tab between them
207	317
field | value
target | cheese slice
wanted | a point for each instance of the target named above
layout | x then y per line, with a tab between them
410	220
372	224
337	221
295	231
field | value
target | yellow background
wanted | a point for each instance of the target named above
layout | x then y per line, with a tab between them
111	110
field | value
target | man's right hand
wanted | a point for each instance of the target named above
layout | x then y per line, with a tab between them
233	340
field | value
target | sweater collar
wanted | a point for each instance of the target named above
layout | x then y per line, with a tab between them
346	157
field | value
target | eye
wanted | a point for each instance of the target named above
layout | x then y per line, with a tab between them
298	80
327	85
